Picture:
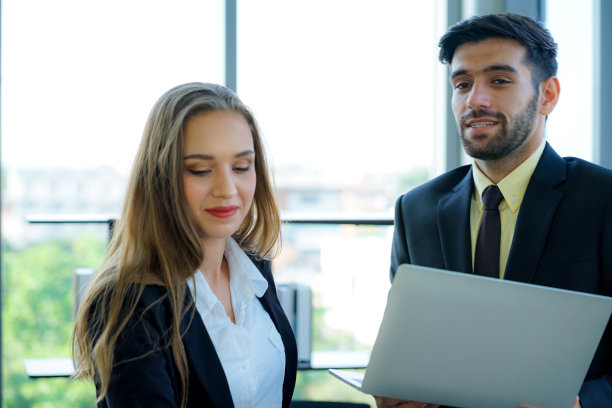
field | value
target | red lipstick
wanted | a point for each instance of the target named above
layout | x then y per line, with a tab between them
223	212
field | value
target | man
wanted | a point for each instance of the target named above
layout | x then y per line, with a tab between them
555	213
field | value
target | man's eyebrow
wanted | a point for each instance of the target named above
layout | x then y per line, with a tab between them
209	157
505	68
492	68
458	72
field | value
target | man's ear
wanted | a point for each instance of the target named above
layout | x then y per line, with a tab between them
549	95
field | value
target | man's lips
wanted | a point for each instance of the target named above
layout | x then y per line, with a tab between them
480	123
223	212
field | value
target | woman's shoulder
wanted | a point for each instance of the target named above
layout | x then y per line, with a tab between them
154	304
147	304
152	315
152	294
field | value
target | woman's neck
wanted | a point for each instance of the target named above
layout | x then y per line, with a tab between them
211	266
215	269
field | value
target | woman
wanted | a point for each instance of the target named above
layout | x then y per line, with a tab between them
184	310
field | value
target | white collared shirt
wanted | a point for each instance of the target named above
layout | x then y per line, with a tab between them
251	350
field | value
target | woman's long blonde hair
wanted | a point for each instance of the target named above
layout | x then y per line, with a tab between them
154	241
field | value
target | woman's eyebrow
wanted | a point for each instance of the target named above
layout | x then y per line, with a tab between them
210	157
245	153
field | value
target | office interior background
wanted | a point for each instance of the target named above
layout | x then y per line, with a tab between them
352	102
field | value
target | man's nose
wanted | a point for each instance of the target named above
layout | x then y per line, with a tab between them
479	97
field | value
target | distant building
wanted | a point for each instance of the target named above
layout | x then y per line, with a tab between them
53	192
97	193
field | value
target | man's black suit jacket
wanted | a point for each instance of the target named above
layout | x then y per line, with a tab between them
563	238
153	382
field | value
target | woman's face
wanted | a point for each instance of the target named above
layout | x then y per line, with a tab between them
218	172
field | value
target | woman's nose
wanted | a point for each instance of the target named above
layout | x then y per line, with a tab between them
224	185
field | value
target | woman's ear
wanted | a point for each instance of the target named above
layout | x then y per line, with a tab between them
549	95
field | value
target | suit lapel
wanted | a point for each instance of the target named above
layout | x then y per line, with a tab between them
205	362
535	217
453	216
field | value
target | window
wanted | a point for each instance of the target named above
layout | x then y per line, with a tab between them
570	126
345	94
78	81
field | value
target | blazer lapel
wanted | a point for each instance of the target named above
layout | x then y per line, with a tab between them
535	217
453	216
276	314
271	305
205	362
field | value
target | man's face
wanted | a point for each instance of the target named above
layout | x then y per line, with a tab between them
494	101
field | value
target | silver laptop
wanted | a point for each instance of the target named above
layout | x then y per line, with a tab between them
469	341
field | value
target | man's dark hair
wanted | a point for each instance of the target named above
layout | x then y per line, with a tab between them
541	53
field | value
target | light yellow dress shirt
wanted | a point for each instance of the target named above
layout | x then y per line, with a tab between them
513	188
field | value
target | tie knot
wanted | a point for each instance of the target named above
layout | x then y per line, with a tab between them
491	197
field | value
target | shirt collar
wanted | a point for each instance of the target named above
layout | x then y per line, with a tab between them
245	280
513	186
244	275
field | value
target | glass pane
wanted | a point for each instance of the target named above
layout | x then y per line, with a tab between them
344	92
79	77
346	268
349	291
570	126
78	81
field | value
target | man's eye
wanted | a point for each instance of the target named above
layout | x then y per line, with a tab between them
501	81
461	85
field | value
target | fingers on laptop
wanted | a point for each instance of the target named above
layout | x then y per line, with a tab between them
397	403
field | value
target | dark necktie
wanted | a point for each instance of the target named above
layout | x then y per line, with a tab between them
486	258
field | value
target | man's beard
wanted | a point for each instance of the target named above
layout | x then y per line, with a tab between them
505	141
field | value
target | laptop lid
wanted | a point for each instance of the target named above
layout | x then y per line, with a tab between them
464	340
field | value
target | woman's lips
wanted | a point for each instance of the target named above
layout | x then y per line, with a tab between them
223	212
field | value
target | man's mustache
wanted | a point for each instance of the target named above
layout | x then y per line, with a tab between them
475	114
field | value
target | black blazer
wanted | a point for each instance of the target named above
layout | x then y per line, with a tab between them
153	381
563	238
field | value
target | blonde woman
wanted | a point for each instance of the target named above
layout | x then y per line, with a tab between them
184	311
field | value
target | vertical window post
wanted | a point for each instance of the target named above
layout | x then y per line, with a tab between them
231	52
602	144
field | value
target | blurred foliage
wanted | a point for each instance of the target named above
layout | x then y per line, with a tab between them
321	386
416	177
37	318
327	338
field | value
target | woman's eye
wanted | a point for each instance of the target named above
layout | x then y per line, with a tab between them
199	172
242	169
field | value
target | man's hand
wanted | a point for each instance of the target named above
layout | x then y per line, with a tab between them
396	403
576	404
